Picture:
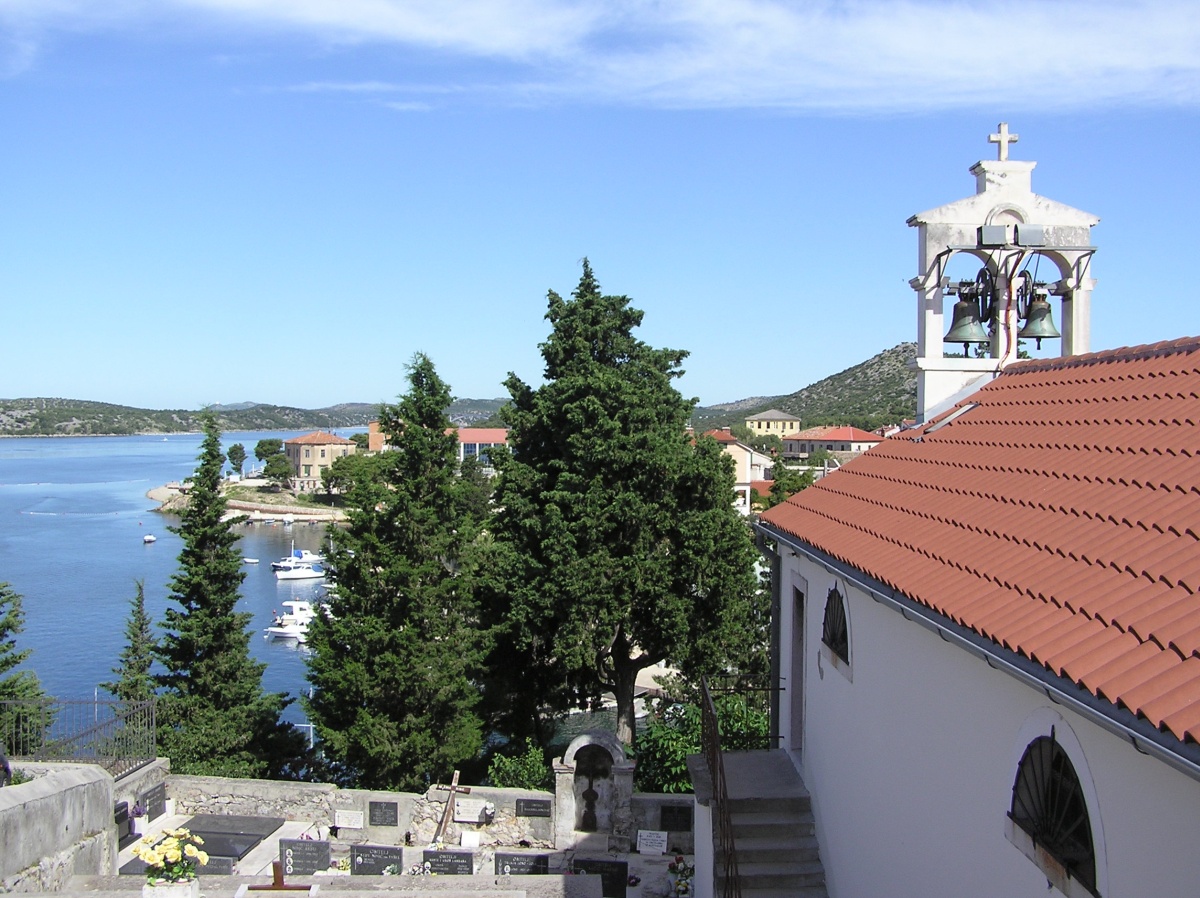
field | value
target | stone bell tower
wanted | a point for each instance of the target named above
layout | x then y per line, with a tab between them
1006	227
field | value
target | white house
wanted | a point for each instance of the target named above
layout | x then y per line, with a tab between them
844	439
989	648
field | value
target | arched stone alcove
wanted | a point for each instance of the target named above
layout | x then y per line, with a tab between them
593	794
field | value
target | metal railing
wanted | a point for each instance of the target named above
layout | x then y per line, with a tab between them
118	736
710	736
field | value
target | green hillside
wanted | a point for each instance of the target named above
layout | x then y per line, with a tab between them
882	390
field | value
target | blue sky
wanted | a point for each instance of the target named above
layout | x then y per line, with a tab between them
282	200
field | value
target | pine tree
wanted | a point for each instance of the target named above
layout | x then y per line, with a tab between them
617	544
134	682
213	715
16	685
395	662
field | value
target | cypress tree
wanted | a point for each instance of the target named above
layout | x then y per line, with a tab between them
617	544
214	718
16	685
134	682
395	661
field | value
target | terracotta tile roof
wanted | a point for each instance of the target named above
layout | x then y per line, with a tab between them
845	433
482	435
721	436
762	487
1055	512
319	438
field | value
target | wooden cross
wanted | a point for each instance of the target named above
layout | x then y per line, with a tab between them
1003	139
453	788
277	883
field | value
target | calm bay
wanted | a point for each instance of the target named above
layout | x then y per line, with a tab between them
73	511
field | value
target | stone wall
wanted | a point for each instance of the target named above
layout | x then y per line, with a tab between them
56	826
647	814
255	798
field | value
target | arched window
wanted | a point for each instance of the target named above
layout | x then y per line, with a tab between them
834	632
1049	805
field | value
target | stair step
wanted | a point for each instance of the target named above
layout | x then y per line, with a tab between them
769	824
799	803
773	874
781	847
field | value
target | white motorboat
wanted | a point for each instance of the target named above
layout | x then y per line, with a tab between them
249	561
301	571
149	538
293	623
298	557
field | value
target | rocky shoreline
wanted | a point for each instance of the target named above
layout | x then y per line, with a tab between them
172	500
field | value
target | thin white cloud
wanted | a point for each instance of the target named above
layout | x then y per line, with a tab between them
840	55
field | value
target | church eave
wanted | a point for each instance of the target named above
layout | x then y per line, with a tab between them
1145	737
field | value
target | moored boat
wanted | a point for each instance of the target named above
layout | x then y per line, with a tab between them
301	571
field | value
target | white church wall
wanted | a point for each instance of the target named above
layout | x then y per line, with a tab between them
911	750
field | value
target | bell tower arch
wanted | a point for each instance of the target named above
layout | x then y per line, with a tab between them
1005	225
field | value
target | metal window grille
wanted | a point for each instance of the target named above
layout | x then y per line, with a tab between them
834	632
1048	804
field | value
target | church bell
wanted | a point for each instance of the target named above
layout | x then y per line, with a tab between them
966	327
1039	323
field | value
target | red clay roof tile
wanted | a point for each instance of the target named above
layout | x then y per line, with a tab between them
1059	517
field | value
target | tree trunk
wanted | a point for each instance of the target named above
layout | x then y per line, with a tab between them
624	679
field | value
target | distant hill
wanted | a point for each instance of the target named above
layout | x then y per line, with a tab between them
881	390
76	417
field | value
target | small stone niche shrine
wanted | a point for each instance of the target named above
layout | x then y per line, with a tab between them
593	795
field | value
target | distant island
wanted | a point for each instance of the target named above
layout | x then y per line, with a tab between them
882	390
75	417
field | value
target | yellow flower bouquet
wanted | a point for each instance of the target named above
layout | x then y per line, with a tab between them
170	856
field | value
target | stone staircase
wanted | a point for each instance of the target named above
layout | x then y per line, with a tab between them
773	829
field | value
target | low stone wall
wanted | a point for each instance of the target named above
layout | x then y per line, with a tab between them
255	798
56	826
648	814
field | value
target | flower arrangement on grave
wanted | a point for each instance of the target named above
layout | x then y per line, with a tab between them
681	875
425	869
170	856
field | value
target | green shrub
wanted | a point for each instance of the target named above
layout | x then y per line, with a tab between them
524	771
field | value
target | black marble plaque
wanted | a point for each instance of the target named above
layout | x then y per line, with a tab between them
676	818
452	863
155	801
217	866
614	875
369	860
533	807
521	864
303	856
383	813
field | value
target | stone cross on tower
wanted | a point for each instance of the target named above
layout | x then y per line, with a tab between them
1003	139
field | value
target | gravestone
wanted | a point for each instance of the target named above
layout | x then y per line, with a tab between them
533	807
652	841
452	863
614	875
155	801
346	819
303	856
370	860
383	813
521	864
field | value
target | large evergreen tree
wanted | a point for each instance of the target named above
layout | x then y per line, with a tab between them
616	538
213	715
134	682
395	662
16	685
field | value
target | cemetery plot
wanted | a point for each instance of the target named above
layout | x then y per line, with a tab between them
303	856
383	813
370	860
533	807
521	864
614	875
453	863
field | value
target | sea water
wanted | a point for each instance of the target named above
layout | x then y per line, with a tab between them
73	511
